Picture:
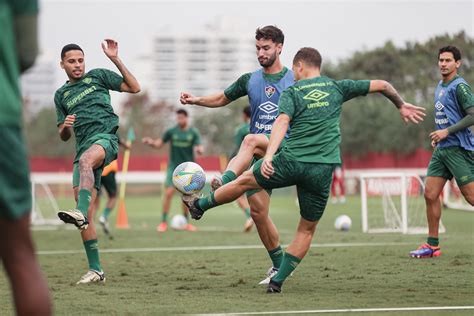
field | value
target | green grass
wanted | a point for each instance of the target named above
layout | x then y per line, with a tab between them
218	281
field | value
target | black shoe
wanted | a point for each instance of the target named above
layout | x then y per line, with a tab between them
194	210
273	287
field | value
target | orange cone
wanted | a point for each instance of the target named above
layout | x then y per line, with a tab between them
122	218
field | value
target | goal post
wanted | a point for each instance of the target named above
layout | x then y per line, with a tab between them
392	202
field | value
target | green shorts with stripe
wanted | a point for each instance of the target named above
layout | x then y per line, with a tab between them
110	144
452	161
109	183
312	180
15	187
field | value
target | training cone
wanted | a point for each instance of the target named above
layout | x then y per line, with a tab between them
122	219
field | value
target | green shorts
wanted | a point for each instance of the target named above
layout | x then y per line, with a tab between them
109	183
169	176
452	161
312	180
15	187
110	144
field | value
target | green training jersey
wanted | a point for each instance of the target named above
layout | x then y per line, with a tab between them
89	99
240	132
240	87
182	144
314	106
10	101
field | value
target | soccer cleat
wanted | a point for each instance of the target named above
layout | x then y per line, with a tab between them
74	217
189	201
92	276
426	251
105	224
162	227
248	225
190	228
270	274
273	287
216	183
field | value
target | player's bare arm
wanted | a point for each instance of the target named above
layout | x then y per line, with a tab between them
65	129
155	143
199	149
408	112
280	127
130	83
210	101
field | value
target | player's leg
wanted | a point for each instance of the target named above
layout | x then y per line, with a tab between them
244	205
467	191
189	227
30	292
167	198
461	165
253	144
110	185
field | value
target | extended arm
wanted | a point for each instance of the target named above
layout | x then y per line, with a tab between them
211	101
155	143
279	129
130	83
26	34
408	111
65	128
199	149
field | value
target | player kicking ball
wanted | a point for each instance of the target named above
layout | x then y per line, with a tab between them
312	108
83	106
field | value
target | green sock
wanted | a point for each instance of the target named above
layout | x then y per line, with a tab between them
288	264
247	212
83	201
164	217
106	212
92	252
206	203
276	255
228	176
433	241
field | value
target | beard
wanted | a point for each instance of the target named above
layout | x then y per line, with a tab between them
269	62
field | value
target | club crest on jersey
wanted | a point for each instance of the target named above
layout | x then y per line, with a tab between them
269	91
87	80
441	93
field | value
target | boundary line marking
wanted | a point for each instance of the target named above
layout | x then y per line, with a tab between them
229	247
350	310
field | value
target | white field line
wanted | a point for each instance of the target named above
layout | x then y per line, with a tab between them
229	247
350	310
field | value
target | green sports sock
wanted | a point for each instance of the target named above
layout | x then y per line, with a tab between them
206	203
276	255
288	264
92	252
247	212
106	212
433	241
228	176
83	201
164	217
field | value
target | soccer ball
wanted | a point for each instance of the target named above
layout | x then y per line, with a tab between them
189	178
178	222
343	222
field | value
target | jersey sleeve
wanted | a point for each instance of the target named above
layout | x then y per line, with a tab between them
238	88
464	96
23	7
197	137
109	79
166	136
61	112
353	88
286	104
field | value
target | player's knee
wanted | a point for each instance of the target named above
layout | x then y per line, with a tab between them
250	141
431	195
470	199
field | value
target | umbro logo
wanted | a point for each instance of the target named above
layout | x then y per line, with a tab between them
268	107
439	106
269	91
316	95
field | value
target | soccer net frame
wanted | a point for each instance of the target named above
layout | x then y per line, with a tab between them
390	187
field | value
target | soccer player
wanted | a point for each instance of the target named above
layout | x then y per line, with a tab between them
312	107
83	106
18	50
263	88
184	141
107	180
454	142
240	133
337	186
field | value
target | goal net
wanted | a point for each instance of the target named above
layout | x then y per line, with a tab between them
453	199
393	202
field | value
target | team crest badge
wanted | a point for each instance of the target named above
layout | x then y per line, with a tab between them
87	80
440	93
269	91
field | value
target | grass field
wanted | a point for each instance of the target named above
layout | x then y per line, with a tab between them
216	270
